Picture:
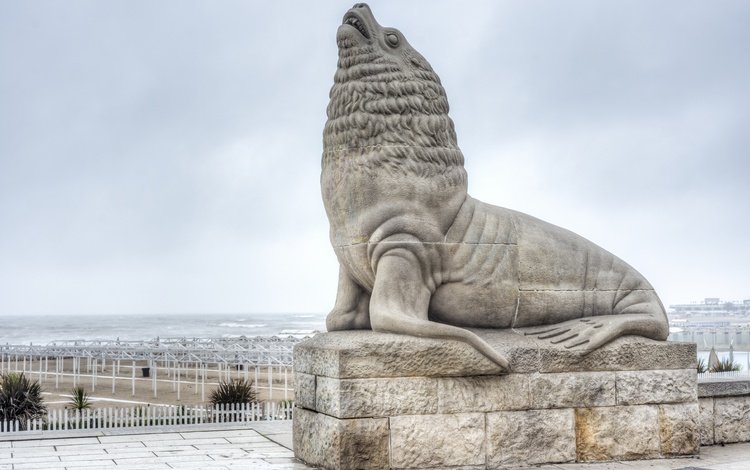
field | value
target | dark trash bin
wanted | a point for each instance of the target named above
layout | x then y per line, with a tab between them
146	371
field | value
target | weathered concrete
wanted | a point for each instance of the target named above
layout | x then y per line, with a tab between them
368	354
530	437
724	387
490	421
434	441
724	410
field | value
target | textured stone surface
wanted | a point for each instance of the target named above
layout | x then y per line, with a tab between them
368	354
340	444
679	429
572	390
723	387
493	393
731	419
304	390
617	433
706	421
412	244
517	438
437	440
626	353
359	398
656	386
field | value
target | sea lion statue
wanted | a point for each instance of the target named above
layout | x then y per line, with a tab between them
418	255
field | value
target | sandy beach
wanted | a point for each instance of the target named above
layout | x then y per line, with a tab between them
131	388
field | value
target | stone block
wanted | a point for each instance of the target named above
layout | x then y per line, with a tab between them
731	419
529	355
679	429
517	438
617	433
367	354
304	390
434	441
706	421
572	390
723	387
361	398
656	386
333	443
488	393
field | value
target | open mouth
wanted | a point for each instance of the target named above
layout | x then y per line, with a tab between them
357	23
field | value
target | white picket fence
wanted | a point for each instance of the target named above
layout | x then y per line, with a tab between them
111	418
723	375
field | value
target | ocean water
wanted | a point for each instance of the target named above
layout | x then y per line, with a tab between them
48	328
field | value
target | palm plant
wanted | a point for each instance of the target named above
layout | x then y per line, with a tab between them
701	366
234	391
20	399
726	365
79	399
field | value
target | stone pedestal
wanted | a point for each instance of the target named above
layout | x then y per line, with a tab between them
373	400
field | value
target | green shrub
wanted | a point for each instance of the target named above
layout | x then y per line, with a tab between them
79	399
20	399
701	367
234	391
726	365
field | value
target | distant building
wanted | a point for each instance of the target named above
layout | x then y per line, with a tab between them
712	322
712	306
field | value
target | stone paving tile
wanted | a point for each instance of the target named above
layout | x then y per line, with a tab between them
223	434
186	442
257	438
171	460
34	450
175	450
158	466
106	456
55	442
205	466
139	437
731	466
281	460
31	459
197	450
233	454
224	445
52	465
79	453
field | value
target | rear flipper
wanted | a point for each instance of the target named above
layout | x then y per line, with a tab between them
637	312
593	332
400	299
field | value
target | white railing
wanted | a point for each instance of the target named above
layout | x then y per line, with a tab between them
111	418
723	375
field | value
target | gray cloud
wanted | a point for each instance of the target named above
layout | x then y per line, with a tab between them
165	156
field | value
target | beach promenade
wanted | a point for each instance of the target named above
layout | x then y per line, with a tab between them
261	446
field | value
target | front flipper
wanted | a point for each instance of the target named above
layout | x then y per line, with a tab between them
590	333
351	311
400	299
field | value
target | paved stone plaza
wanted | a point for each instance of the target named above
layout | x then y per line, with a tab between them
266	446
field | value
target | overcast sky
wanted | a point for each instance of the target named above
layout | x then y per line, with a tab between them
164	157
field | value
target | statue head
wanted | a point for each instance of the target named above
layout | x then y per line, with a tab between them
385	93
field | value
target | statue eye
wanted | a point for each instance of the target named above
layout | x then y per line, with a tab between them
391	39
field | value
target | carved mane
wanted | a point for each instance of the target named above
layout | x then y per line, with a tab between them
385	116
